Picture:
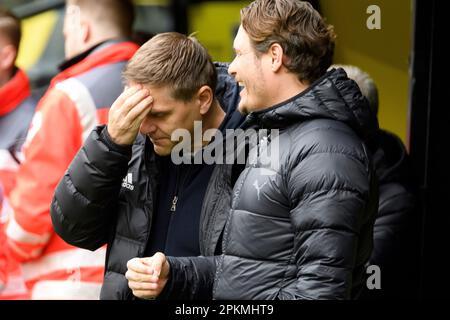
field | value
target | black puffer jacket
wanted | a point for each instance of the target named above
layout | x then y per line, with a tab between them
395	231
91	208
302	229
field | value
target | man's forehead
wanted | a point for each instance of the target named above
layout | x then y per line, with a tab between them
131	83
162	90
239	41
162	95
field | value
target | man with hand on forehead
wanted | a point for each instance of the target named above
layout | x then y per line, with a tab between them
123	189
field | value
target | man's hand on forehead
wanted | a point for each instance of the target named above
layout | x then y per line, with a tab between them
128	112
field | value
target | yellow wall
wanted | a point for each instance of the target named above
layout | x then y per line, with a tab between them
215	23
384	53
36	32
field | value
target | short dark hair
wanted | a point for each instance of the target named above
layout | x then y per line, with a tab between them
112	13
10	26
173	59
307	41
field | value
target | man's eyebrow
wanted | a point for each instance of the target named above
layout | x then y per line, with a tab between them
153	111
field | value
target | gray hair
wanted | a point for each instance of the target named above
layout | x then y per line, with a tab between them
365	83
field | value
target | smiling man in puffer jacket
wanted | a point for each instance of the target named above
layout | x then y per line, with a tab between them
300	226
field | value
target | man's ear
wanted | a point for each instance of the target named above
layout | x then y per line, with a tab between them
276	53
205	98
8	56
85	30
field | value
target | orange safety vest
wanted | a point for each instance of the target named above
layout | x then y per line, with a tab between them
12	284
16	111
64	117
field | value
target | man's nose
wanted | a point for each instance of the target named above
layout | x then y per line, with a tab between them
232	68
148	126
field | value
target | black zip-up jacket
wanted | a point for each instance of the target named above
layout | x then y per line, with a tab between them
395	231
302	229
93	206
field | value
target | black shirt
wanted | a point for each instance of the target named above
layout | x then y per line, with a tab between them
176	219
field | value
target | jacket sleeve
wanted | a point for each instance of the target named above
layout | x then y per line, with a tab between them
83	205
393	232
191	278
3	245
328	191
53	140
3	257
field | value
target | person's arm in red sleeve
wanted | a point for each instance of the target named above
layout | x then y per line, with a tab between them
54	138
2	246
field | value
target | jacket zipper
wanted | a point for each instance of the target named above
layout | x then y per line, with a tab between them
176	196
173	208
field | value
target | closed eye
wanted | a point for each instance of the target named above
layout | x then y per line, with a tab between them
158	114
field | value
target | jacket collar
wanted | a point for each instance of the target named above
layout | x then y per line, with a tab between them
333	96
78	58
104	53
14	92
391	158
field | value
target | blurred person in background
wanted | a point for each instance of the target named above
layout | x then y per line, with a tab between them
3	257
3	275
16	104
97	48
394	237
16	111
12	284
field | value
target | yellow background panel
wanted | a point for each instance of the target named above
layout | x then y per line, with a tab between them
215	24
384	53
151	2
36	31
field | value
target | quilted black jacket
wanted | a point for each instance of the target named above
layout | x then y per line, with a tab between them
301	226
